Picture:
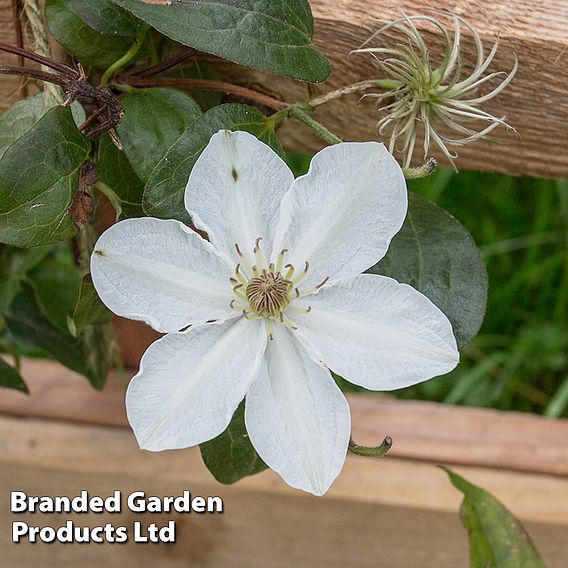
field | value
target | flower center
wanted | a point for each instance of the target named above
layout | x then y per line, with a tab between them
264	290
268	294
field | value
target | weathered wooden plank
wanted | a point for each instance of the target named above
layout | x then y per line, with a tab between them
535	103
423	431
401	512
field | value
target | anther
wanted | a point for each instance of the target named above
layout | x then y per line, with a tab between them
318	286
288	323
290	273
259	255
300	311
244	260
280	261
248	315
240	276
302	275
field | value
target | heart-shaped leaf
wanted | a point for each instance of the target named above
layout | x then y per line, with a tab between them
269	35
153	120
434	253
38	178
163	196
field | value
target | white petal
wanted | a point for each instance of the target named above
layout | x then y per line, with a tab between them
296	417
378	333
234	191
342	215
162	273
190	383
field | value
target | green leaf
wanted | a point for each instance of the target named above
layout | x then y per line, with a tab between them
163	195
30	328
89	309
10	378
230	456
269	35
80	39
56	282
23	115
38	177
496	538
434	253
8	291
106	17
115	170
153	120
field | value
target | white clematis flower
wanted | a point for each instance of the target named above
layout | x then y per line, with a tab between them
273	301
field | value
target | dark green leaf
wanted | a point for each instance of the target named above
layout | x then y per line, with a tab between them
106	17
153	120
496	538
89	309
80	39
8	290
230	456
38	177
23	115
115	170
270	35
30	328
434	253
163	196
56	283
10	378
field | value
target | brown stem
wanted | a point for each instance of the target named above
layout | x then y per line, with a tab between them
168	64
34	73
107	110
206	85
68	71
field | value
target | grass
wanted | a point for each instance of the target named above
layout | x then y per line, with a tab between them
519	361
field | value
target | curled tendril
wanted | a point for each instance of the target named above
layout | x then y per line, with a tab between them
373	451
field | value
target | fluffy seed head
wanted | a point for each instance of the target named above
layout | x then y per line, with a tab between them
433	96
